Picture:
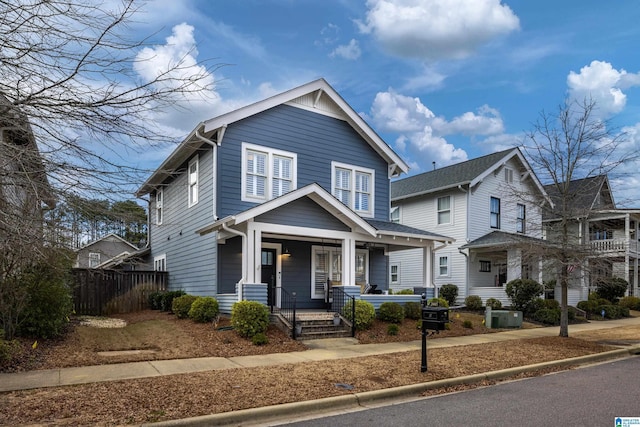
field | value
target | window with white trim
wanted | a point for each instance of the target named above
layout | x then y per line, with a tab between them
193	177
160	263
444	210
354	186
521	219
508	175
266	173
327	264
394	274
394	216
94	259
159	203
443	265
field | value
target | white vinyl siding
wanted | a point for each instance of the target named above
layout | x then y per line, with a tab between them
193	181
266	173
354	186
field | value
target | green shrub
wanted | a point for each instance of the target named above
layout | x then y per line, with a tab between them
571	313
551	303
259	339
412	310
155	300
590	306
548	316
49	302
632	303
404	292
249	318
365	314
391	312
392	329
204	309
473	302
495	304
168	297
440	302
181	306
467	324
612	288
522	292
8	349
449	293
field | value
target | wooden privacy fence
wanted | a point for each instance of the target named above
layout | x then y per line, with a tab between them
103	292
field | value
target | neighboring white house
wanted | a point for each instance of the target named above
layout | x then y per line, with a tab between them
487	205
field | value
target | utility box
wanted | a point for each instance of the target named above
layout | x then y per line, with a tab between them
506	319
434	318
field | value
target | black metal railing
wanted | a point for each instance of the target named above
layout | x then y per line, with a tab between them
288	309
345	305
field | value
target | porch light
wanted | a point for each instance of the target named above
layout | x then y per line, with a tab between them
286	252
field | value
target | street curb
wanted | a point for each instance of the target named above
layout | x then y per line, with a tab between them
309	407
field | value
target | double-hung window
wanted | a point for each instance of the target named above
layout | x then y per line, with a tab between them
193	181
395	214
394	274
94	259
521	219
443	266
266	173
495	213
159	202
354	186
444	210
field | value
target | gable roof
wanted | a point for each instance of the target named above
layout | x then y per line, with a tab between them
109	237
471	173
586	194
332	205
501	239
317	96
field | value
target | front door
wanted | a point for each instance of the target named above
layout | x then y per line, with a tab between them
269	274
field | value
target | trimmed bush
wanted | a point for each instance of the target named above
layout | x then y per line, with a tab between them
473	302
548	316
613	311
404	292
392	329
632	303
440	302
181	306
155	300
365	314
612	288
168	297
449	293
391	312
412	310
468	324
203	309
522	292
551	303
495	304
249	318
590	306
259	339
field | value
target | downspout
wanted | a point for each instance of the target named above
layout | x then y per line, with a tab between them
244	256
214	170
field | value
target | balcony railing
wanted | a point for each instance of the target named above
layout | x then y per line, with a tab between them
614	245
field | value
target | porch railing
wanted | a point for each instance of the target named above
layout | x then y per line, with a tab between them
288	309
345	305
614	245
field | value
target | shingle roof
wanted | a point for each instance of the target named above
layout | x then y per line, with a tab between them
446	177
502	239
403	229
583	195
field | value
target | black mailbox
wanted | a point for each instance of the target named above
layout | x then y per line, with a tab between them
434	318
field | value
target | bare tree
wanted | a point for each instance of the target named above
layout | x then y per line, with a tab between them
571	151
75	109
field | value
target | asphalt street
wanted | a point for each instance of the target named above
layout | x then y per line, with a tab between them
589	396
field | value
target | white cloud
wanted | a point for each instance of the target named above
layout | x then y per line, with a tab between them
486	122
602	83
349	51
436	29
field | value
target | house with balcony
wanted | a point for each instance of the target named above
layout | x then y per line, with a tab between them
286	196
606	235
491	206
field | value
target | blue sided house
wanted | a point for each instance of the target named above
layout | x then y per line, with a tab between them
289	194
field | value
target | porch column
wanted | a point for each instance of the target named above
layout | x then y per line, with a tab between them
348	260
514	264
254	248
427	266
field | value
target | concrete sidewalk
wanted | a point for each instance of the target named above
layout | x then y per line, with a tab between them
329	349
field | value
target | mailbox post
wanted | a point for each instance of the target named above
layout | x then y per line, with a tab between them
434	319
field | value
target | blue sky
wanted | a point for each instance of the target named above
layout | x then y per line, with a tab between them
440	80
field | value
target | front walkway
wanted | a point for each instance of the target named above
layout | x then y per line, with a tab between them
327	349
